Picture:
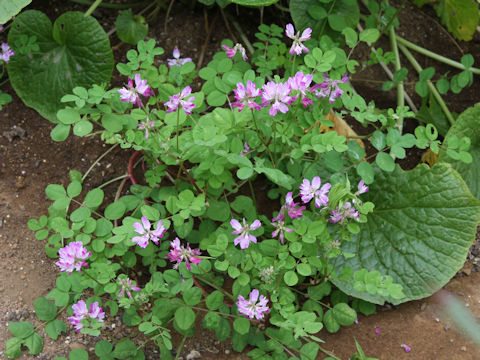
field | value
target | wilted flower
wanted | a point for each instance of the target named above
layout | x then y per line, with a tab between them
232	51
406	348
177	61
250	308
245	237
278	93
246	149
309	191
246	96
130	94
362	188
297	46
329	88
179	100
81	312
289	207
143	229
280	229
127	287
180	253
267	274
301	83
346	211
6	53
72	257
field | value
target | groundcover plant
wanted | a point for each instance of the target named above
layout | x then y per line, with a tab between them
257	200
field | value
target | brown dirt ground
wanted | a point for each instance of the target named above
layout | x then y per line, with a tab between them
30	161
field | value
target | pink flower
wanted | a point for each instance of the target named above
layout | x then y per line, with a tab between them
143	229
362	188
179	100
130	94
250	308
127	287
341	214
246	149
81	312
72	257
301	83
6	53
377	330
309	191
245	237
232	51
145	125
246	96
278	93
406	348
297	46
291	208
177	61
329	88
180	253
280	228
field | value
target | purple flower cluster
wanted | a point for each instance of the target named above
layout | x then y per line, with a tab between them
313	191
180	253
246	96
232	51
6	52
177	61
131	94
146	233
244	238
72	257
80	312
347	210
329	88
180	100
127	286
297	46
251	308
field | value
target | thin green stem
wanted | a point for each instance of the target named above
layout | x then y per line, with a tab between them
178	126
110	6
215	286
435	56
253	193
92	7
325	21
398	66
262	138
98	159
274	141
180	347
430	85
113	180
91	277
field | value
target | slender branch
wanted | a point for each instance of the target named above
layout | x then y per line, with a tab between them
435	56
92	8
430	85
110	6
98	159
124	176
398	66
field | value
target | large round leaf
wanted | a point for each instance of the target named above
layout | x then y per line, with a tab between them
75	51
419	233
467	124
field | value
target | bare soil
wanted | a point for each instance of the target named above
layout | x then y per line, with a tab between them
29	161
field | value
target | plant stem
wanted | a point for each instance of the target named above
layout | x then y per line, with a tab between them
400	87
180	347
178	126
110	6
435	56
262	138
430	85
92	8
113	180
96	161
253	193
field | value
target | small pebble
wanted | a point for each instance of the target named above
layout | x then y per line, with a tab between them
463	348
446	328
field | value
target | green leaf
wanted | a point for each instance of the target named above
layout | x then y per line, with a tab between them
218	211
115	210
241	325
385	162
103	348
344	314
67	58
419	233
34	343
45	309
82	128
184	318
351	37
244	173
55	191
80	354
369	35
366	172
192	296
74	188
331	324
13	348
10	8
60	132
290	278
214	300
467	124
22	329
254	3
94	198
460	16
55	328
125	349
309	351
131	29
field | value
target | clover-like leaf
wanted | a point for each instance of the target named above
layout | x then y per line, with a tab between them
74	51
419	233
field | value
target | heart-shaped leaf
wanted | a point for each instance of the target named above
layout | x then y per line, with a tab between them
75	51
131	29
467	124
419	233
